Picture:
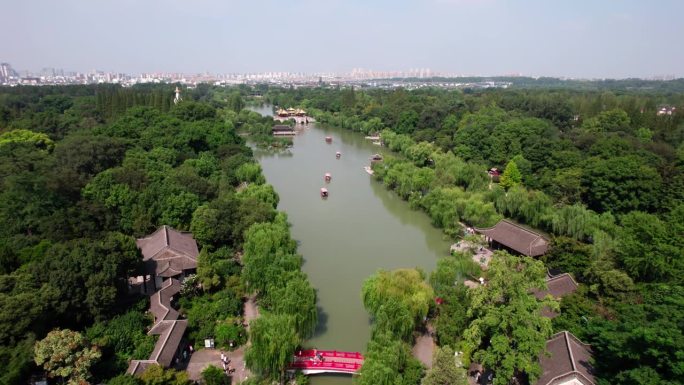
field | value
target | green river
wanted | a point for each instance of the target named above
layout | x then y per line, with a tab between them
360	228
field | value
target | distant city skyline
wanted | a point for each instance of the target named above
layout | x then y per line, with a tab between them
354	73
575	39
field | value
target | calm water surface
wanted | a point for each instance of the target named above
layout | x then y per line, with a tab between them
359	229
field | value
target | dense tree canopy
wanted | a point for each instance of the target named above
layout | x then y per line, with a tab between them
447	369
272	271
274	340
601	172
511	175
86	170
66	354
398	301
508	331
405	286
388	361
157	375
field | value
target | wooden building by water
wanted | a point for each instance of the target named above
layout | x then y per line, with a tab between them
514	237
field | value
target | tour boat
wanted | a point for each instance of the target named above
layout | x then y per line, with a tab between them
369	170
328	177
376	158
338	155
324	192
328	139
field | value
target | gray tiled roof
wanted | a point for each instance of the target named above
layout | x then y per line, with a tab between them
166	237
137	367
168	342
567	358
558	287
516	237
160	302
167	325
167	252
170	336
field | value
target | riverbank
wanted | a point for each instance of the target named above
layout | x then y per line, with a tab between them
361	228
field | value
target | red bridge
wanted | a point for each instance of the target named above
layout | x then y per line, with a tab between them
326	361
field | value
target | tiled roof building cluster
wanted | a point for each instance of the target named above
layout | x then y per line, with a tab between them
566	360
168	255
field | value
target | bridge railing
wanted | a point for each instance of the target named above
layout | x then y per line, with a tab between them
325	365
329	353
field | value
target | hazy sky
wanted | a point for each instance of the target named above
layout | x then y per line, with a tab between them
579	38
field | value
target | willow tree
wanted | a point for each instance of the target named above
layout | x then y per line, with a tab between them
235	102
396	300
268	248
388	361
447	369
250	172
507	331
297	298
274	340
419	153
394	318
573	220
510	202
407	286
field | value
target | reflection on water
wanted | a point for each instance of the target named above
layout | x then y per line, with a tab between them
265	109
434	240
359	229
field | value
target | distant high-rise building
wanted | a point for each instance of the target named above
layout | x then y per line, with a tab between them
6	72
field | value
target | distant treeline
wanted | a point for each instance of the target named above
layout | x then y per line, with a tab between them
524	82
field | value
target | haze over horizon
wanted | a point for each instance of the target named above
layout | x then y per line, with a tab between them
583	38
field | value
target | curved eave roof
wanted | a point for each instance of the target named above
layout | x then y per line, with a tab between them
516	237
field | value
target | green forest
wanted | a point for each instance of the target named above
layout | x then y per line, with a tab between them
597	167
85	170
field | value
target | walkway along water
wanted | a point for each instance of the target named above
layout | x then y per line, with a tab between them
344	239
